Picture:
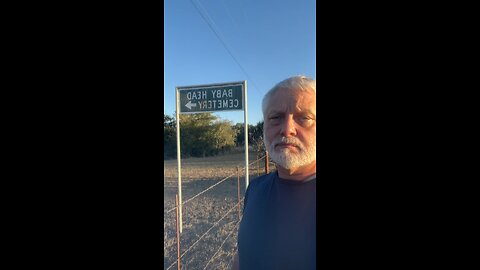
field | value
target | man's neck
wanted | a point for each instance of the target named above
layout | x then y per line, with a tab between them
299	174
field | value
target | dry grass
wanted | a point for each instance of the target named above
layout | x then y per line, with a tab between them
201	213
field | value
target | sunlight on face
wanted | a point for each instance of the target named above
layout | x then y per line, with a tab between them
290	128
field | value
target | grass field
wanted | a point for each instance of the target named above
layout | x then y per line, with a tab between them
201	213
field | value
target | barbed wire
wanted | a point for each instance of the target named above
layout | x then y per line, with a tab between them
212	186
216	223
200	193
233	257
170	210
221	246
255	161
200	238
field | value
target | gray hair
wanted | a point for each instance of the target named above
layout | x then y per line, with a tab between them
298	82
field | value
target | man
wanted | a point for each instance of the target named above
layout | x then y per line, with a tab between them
278	228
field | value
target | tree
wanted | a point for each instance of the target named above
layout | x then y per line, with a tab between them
239	134
203	134
223	136
169	137
255	133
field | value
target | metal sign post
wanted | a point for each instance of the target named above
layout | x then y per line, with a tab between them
179	164
246	134
209	98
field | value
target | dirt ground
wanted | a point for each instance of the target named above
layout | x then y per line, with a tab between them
209	212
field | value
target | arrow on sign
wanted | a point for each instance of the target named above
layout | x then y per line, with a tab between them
189	105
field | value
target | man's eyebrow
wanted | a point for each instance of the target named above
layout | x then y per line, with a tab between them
306	111
275	112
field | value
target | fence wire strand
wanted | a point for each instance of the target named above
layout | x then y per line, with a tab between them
200	193
200	238
233	257
216	223
218	250
255	161
212	186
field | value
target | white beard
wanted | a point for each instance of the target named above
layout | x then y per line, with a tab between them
289	159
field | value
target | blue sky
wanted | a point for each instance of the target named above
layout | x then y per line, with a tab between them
270	39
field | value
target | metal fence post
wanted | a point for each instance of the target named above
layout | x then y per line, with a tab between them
266	162
238	191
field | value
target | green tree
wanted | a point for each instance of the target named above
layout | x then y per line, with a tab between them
239	134
169	137
223	136
256	137
255	133
204	134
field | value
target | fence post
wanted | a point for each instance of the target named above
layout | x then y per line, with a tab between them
238	191
266	162
177	229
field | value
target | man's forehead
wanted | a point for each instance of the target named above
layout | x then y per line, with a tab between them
292	101
290	109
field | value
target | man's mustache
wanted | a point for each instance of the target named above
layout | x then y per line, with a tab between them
284	140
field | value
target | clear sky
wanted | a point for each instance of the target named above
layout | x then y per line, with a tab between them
270	40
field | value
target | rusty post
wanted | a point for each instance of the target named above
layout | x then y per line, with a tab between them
266	162
238	191
177	229
258	167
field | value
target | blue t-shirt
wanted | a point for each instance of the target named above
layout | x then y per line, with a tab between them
278	228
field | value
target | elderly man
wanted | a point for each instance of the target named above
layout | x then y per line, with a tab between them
278	228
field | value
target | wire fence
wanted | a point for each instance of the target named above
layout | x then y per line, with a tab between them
203	235
229	231
185	202
236	227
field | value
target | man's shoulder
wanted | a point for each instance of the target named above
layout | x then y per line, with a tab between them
265	177
259	189
262	181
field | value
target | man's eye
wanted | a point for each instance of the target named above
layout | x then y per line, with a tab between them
306	121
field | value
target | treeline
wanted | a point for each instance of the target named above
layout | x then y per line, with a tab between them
204	134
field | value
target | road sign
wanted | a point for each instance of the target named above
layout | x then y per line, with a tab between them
211	98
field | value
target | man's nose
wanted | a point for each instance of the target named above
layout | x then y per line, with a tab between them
288	127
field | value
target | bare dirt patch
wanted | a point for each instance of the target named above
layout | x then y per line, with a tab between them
202	213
